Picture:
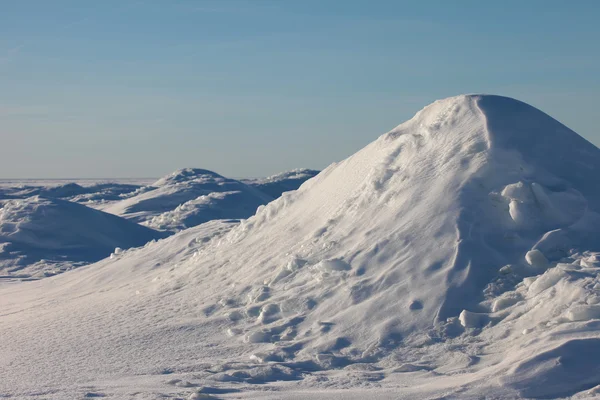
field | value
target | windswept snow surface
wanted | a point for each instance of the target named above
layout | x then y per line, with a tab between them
189	197
276	185
40	237
457	256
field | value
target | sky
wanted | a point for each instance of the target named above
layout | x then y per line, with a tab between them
140	88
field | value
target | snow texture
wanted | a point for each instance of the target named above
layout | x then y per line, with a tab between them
41	236
187	198
91	193
457	256
288	181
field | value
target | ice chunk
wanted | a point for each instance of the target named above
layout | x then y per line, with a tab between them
584	312
335	264
546	281
536	259
261	336
473	320
506	301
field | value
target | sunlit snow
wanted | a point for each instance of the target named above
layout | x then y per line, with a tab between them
456	256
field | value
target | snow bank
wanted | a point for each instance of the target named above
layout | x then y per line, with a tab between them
45	236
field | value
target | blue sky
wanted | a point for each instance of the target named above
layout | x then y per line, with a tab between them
138	88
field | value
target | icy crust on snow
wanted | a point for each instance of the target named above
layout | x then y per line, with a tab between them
189	197
456	256
41	236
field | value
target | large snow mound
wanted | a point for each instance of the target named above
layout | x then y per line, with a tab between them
276	185
39	235
457	255
189	197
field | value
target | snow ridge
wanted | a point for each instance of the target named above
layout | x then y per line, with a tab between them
189	197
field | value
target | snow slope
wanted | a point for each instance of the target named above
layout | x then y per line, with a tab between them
41	236
456	256
276	185
189	197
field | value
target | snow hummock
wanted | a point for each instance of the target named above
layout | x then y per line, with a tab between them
457	255
92	193
46	236
189	197
276	185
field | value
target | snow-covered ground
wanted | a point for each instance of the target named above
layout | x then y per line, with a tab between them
276	185
44	236
189	197
91	192
457	256
183	199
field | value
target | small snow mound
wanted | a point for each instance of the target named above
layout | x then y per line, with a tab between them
39	233
190	197
187	174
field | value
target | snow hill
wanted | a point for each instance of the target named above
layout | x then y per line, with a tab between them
189	197
456	256
276	185
91	194
43	236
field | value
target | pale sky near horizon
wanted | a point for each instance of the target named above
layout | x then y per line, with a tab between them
139	88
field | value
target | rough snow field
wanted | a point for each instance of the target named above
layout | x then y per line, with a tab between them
42	233
189	197
457	256
91	192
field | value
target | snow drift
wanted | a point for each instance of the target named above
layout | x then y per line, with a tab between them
39	235
189	197
276	185
457	255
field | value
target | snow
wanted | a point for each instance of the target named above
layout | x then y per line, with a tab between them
536	259
215	205
92	193
189	197
276	185
456	256
45	236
